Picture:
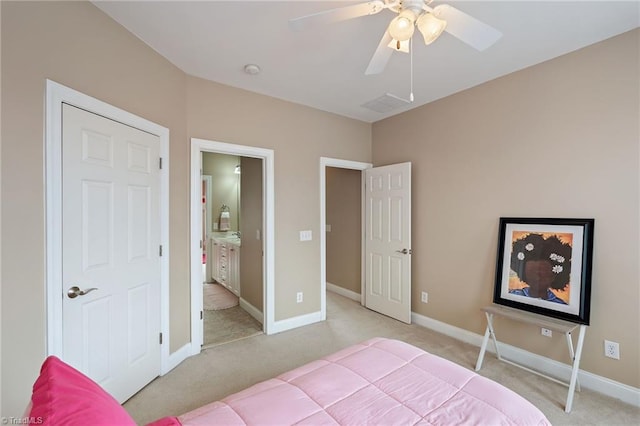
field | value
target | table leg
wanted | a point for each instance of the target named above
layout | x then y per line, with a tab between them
493	334
572	355
483	348
488	332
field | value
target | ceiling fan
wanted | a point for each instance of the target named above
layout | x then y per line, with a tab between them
411	14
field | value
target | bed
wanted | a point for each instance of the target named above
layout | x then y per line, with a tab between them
380	381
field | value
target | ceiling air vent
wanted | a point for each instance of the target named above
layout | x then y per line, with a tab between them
385	103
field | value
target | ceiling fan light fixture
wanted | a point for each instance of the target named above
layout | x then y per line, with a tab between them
402	26
430	27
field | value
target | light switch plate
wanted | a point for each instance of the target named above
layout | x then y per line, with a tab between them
305	236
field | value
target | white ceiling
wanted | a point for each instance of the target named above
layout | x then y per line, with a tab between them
324	67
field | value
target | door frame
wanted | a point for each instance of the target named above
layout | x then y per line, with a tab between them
268	295
56	95
340	164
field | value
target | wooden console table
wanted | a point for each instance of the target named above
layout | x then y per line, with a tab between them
553	324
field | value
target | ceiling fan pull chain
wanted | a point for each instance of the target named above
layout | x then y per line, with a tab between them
411	64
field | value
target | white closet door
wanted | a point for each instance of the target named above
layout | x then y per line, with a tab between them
110	243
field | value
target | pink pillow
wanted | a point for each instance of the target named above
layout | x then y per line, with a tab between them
64	396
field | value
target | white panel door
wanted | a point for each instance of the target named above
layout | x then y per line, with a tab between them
388	240
110	251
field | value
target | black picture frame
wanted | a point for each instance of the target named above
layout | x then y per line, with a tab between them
544	266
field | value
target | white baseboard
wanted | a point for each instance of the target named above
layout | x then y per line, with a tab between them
295	322
177	357
550	367
252	310
343	292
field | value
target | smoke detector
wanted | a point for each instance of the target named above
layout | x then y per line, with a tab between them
252	69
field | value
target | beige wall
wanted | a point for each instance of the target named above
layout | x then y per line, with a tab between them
225	185
343	206
251	214
75	44
559	139
576	118
299	136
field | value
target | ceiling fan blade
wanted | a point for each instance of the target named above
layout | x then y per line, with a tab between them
381	56
336	15
475	33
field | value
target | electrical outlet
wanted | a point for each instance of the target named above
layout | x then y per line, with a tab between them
299	297
425	297
546	332
611	349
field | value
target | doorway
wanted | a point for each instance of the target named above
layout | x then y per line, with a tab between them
343	231
233	282
227	214
386	255
326	163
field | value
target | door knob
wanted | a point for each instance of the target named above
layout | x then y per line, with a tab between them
75	291
404	251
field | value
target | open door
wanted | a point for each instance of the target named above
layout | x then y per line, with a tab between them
388	240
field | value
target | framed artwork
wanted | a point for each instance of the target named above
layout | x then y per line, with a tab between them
544	266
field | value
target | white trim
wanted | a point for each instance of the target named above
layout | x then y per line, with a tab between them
446	329
196	300
267	155
178	356
56	95
295	322
344	292
252	310
342	164
553	368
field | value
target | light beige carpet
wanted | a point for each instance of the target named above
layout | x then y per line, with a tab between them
216	297
228	325
225	369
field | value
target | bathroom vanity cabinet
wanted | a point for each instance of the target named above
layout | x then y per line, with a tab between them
226	263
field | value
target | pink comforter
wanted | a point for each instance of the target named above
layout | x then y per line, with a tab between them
380	381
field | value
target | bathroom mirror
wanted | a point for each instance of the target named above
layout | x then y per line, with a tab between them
223	189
